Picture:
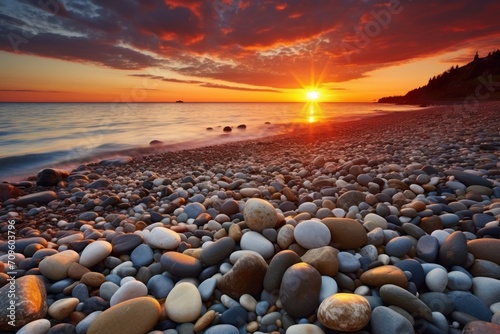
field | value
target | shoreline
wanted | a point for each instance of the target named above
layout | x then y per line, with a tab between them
368	193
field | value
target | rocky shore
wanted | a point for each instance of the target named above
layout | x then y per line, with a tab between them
385	225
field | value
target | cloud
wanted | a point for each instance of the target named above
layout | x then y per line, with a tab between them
261	43
211	85
204	83
31	91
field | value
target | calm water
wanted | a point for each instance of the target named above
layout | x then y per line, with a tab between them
37	135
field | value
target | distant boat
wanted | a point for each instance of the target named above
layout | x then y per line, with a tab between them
179	101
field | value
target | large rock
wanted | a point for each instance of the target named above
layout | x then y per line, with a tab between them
485	249
259	214
346	233
30	302
41	198
50	177
246	276
135	316
344	312
300	290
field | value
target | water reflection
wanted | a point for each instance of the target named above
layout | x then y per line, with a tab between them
312	113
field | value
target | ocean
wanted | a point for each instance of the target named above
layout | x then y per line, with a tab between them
64	135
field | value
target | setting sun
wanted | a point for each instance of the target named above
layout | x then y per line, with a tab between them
312	95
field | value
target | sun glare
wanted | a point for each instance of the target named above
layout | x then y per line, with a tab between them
312	95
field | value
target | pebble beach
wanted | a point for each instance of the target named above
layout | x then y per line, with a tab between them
389	224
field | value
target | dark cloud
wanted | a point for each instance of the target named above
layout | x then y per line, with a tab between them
211	85
262	42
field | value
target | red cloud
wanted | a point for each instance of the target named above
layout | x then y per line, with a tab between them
261	43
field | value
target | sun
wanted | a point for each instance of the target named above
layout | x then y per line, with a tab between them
313	95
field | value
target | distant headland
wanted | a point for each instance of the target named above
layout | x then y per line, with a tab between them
480	79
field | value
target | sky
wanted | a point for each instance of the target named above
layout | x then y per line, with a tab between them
234	50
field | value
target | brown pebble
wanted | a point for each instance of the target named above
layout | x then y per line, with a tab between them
220	234
93	279
76	317
204	321
289	194
139	226
235	232
430	224
418	206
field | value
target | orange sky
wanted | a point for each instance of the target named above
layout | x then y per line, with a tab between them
235	51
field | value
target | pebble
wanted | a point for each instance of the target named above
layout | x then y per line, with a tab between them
259	214
312	234
453	251
181	265
245	277
62	308
458	280
183	303
385	320
344	312
437	280
466	302
138	315
129	290
277	267
256	242
42	198
142	255
382	275
94	253
427	248
394	295
163	238
300	289
218	251
398	246
348	263
328	287
40	326
485	249
55	267
31	302
486	289
160	286
304	329
346	233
